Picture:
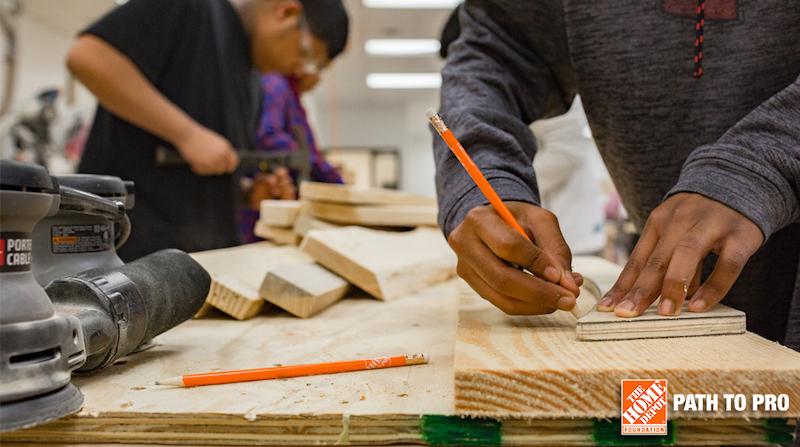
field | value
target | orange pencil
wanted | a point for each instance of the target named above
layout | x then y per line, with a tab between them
280	372
472	169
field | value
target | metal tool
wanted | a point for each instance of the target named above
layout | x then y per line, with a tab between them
264	161
82	320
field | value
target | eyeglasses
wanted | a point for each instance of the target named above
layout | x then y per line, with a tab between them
311	65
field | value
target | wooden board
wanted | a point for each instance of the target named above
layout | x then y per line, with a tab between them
328	192
303	290
720	320
279	213
237	273
375	215
535	367
123	405
306	222
277	235
371	430
399	406
384	264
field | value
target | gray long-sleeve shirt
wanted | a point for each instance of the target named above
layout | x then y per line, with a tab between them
732	135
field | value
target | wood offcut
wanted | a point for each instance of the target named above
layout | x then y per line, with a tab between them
385	264
303	289
348	194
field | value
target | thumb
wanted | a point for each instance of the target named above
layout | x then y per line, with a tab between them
547	236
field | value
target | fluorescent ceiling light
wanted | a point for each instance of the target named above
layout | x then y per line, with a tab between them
404	80
412	4
401	47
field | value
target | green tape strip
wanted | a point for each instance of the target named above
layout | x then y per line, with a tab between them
456	430
606	432
779	431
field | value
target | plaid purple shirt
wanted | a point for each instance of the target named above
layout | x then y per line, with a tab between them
282	111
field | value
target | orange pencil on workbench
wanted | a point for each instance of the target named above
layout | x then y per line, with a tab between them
282	372
474	172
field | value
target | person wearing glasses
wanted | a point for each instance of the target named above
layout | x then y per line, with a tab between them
184	74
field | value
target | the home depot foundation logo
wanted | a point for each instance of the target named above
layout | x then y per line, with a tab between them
644	407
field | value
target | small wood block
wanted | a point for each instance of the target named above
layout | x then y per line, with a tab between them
720	320
384	264
303	290
237	273
279	213
329	192
278	235
234	297
306	222
375	215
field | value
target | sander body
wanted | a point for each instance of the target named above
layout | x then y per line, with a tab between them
67	302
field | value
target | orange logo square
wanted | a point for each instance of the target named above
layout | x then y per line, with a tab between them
644	407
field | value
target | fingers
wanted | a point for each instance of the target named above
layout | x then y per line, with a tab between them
683	271
516	283
547	235
231	161
505	303
641	252
732	259
512	247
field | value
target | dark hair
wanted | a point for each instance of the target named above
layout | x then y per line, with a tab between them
451	31
328	21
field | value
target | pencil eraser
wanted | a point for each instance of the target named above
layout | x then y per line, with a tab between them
430	113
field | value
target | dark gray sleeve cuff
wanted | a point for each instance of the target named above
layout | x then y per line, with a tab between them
507	186
728	175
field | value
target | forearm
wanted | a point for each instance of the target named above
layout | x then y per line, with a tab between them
122	89
498	79
754	168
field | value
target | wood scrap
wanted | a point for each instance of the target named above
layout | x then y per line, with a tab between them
306	222
237	273
278	235
279	213
720	320
375	215
303	290
534	367
384	264
328	192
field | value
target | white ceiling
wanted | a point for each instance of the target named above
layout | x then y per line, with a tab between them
344	82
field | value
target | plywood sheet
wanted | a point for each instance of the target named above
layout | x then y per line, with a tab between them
374	215
383	263
237	273
328	192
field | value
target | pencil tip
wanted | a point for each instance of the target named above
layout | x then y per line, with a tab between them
172	381
430	113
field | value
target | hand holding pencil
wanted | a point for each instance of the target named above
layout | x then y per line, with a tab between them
493	239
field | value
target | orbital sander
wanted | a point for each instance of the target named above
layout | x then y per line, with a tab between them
80	309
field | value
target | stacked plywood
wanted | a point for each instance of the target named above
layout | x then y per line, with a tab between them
373	207
412	405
